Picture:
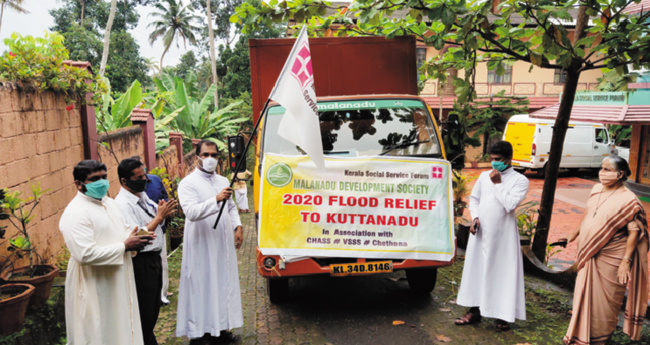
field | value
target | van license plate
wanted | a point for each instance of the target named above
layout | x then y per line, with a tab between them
361	268
516	164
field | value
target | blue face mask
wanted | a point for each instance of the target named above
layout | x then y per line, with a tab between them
499	166
98	189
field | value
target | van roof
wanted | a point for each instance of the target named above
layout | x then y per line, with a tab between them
524	118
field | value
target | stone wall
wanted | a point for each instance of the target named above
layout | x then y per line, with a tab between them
168	159
115	146
40	142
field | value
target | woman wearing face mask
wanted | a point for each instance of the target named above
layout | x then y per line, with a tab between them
612	252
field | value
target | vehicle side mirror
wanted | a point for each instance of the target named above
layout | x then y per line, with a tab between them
236	148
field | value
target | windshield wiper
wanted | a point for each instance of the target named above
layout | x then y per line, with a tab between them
402	145
336	152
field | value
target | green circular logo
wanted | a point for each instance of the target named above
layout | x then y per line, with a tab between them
279	175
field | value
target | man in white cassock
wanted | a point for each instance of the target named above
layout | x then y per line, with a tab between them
209	300
493	277
101	304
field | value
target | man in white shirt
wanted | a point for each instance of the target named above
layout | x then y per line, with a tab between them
100	299
139	210
209	299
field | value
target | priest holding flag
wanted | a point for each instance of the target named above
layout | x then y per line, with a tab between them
209	302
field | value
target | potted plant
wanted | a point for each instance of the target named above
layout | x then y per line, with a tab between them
176	224
527	221
14	299
176	232
40	276
461	189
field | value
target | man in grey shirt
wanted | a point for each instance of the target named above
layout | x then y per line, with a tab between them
139	210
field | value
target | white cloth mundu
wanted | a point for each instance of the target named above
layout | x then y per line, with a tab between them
209	297
241	196
101	304
493	276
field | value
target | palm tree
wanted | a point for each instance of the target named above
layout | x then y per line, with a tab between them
213	59
11	4
152	65
107	38
173	22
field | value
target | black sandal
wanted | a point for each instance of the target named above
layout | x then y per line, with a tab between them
468	319
502	326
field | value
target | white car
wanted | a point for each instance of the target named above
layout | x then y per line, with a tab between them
585	145
623	150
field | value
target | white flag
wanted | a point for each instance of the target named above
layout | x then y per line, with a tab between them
295	91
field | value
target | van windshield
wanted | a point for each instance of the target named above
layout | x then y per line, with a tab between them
364	128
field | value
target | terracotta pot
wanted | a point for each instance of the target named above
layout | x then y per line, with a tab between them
474	165
42	283
13	309
175	241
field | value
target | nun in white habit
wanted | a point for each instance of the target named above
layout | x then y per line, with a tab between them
209	299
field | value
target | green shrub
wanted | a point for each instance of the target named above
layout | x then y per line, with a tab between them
38	62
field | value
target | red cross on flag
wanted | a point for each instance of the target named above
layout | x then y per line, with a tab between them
295	91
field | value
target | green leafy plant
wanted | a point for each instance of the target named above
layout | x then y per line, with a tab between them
191	117
63	259
481	157
550	251
20	215
38	62
461	189
527	218
619	133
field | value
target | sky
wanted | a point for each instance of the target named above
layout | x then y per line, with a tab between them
38	20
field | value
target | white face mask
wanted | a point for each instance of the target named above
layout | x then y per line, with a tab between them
209	164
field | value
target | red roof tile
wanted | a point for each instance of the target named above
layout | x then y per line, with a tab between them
140	115
448	102
644	5
620	114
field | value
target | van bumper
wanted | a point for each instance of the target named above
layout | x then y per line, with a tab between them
314	266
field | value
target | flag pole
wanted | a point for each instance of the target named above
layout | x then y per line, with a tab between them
243	158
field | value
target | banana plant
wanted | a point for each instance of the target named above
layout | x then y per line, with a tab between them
192	117
116	114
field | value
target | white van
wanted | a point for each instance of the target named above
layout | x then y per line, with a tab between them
585	145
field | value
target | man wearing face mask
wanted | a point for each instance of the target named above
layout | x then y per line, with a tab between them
100	295
209	299
139	210
493	277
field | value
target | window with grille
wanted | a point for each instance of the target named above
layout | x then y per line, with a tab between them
421	55
560	76
506	78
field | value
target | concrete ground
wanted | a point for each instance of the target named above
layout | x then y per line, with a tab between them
378	309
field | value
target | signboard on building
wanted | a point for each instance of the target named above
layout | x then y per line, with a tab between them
615	98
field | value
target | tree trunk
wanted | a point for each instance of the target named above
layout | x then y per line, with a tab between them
162	57
83	8
557	144
2	13
213	61
107	38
